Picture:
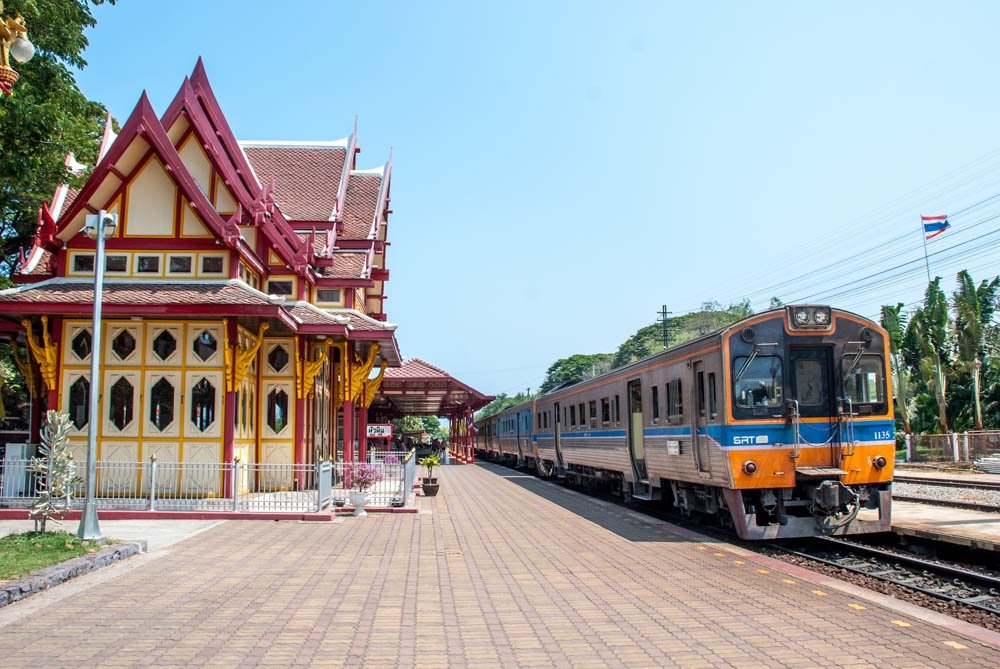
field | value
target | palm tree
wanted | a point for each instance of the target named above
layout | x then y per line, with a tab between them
932	325
895	324
974	308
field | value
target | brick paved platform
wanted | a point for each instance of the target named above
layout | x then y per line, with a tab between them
468	583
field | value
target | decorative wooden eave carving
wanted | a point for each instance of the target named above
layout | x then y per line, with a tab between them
306	371
360	371
46	354
27	367
244	358
372	386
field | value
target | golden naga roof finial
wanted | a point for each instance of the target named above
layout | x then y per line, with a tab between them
45	353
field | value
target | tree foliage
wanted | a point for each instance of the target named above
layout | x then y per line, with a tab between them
944	374
46	118
502	401
429	424
574	369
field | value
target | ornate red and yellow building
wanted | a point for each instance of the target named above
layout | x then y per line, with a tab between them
243	297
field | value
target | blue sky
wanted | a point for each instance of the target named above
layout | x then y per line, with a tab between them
563	169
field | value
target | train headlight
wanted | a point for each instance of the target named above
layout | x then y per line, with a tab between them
801	316
749	467
880	462
822	317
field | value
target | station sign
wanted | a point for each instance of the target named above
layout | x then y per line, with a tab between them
380	431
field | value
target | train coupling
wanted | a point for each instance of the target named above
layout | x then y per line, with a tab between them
830	497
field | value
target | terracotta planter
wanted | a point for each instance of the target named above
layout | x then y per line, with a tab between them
359	500
431	487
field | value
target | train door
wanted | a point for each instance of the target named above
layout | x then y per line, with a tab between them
560	464
700	418
811	387
636	445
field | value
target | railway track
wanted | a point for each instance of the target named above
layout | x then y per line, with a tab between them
971	495
947	483
941	581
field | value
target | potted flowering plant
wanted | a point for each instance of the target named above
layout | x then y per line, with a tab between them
361	477
430	482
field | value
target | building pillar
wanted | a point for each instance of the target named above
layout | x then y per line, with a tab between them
469	450
229	404
299	435
348	431
362	434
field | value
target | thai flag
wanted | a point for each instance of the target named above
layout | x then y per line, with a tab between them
934	225
470	424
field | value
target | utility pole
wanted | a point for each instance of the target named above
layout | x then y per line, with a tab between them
665	325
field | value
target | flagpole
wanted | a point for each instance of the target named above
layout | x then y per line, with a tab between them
927	262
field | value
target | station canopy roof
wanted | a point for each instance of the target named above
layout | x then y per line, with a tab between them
420	389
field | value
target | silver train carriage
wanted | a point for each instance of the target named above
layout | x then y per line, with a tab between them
780	425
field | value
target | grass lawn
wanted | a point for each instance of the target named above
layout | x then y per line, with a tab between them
28	552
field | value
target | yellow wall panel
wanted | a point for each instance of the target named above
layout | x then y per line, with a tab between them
191	225
151	198
197	163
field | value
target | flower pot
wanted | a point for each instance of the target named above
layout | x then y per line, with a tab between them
431	487
359	500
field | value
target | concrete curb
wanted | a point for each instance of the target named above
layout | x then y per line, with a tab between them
26	586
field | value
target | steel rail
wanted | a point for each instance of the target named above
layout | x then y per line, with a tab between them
954	504
947	483
988	586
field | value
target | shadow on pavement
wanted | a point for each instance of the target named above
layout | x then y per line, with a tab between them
629	524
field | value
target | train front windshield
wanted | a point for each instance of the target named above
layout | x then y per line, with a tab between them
758	382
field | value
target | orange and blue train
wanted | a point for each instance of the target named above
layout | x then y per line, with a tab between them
780	425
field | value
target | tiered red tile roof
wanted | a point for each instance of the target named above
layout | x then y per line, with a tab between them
305	177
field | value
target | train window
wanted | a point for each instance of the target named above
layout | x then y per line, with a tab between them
618	413
593	413
864	381
572	414
701	393
757	384
565	420
713	406
809	382
605	410
583	414
656	404
675	403
668	397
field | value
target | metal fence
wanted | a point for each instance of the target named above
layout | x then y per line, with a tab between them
953	447
393	490
226	486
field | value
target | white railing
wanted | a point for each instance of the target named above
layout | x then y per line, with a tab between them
222	487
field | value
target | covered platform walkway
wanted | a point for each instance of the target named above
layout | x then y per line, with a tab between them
418	388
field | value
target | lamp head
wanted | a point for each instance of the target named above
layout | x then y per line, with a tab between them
21	49
102	223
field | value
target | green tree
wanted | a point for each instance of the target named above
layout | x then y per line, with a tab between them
974	308
502	401
574	369
46	118
932	327
895	324
649	339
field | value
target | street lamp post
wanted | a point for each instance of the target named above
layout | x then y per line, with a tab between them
99	226
14	42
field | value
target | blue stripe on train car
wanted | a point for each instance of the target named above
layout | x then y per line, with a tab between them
814	433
